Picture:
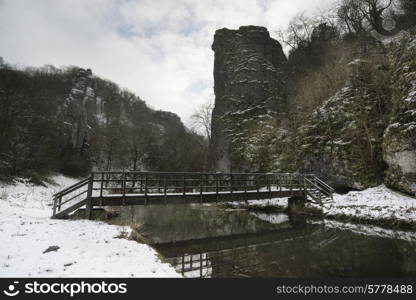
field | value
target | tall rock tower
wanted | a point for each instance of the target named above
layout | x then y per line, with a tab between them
76	119
249	86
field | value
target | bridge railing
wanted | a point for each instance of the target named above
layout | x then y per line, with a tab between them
144	183
71	195
313	184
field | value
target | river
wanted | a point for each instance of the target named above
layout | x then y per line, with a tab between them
206	241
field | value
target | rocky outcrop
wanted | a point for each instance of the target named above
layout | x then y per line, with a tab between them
399	143
361	137
365	135
76	121
342	139
249	72
74	111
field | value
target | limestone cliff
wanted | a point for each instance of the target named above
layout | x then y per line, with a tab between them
76	122
399	143
365	135
362	136
74	111
342	139
249	92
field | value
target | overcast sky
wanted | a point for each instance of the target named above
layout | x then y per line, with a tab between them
160	49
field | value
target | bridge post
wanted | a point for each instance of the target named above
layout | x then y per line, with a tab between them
54	206
245	187
231	183
164	188
89	206
123	181
184	188
101	188
269	186
200	187
216	185
145	189
296	203
59	202
256	177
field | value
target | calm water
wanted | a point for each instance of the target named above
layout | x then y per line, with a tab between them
202	241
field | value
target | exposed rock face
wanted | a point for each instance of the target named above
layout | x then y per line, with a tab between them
75	110
249	92
341	140
399	144
77	122
369	127
360	137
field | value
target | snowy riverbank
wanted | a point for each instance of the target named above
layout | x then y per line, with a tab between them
86	248
378	205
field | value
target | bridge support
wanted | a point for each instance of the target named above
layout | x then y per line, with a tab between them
296	203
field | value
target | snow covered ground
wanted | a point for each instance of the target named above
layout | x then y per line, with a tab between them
376	203
86	248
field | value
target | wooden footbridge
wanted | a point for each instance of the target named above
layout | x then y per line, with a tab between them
144	188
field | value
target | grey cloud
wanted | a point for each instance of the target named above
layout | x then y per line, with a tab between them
159	49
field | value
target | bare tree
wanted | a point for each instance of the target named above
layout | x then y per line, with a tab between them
298	32
351	15
356	14
374	11
201	119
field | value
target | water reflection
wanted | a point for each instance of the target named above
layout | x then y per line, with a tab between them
169	223
202	241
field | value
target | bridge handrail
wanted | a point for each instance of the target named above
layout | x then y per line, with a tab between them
57	197
194	173
322	187
321	182
71	188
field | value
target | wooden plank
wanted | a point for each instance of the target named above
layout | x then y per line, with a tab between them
109	200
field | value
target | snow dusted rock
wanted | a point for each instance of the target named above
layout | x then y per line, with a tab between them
399	144
249	90
342	139
368	124
75	110
77	117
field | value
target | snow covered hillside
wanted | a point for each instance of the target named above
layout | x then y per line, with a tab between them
32	244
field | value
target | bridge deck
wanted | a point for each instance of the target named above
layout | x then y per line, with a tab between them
205	197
